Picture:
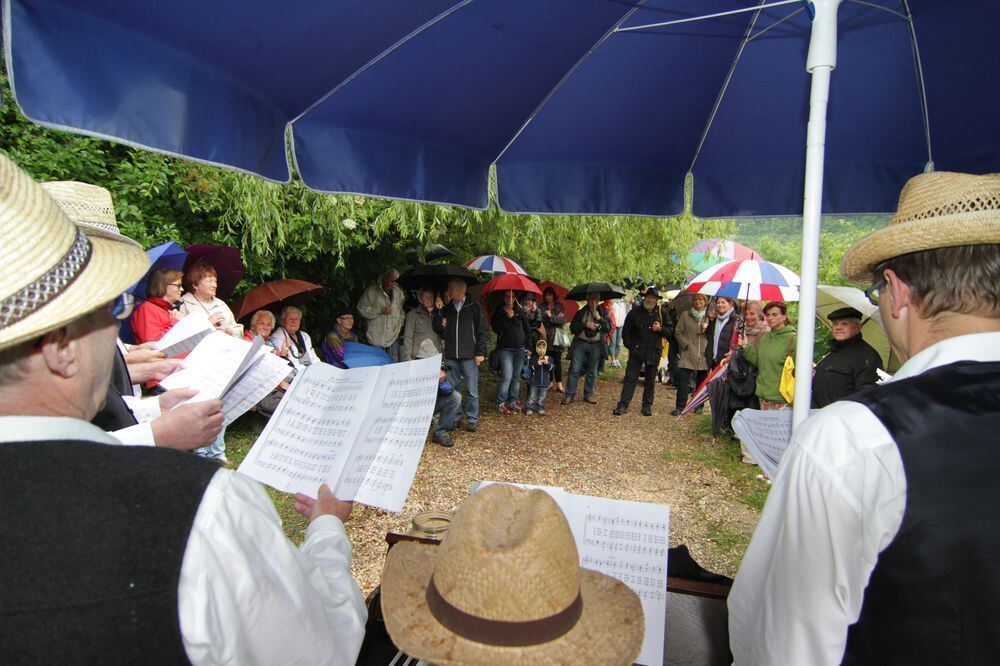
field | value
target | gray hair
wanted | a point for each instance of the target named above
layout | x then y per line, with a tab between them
287	309
264	314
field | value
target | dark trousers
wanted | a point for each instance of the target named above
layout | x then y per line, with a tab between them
673	362
556	355
632	370
684	377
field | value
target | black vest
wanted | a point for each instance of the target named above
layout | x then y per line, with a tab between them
92	538
934	595
115	414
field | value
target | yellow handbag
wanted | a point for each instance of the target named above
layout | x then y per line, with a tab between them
786	387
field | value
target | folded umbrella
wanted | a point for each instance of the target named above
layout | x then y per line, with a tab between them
358	355
701	393
604	289
287	292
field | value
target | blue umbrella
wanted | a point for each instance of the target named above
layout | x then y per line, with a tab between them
357	355
167	255
600	107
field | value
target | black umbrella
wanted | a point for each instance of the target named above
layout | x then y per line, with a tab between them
435	277
605	289
431	252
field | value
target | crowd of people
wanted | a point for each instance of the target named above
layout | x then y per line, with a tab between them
876	545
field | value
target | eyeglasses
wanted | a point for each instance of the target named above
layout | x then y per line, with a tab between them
872	292
122	307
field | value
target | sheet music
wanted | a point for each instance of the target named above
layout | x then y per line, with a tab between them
627	541
184	335
361	431
263	376
766	434
212	366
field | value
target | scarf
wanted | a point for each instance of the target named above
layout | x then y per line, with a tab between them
698	314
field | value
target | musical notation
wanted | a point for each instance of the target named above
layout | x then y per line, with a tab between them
328	429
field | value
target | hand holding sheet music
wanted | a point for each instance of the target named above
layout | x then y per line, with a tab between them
184	335
360	431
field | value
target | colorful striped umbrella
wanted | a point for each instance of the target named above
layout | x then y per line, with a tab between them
713	251
491	263
747	280
701	393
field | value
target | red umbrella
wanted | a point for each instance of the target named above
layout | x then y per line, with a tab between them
510	282
290	292
225	260
571	307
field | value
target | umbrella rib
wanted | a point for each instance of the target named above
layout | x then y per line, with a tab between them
880	8
725	86
437	19
775	24
920	77
708	16
566	76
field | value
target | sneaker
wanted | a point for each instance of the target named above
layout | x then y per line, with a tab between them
619	410
676	412
541	412
530	412
443	440
471	427
647	411
504	409
517	407
589	399
568	399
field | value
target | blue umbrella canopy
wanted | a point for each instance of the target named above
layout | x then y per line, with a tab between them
601	106
167	255
358	355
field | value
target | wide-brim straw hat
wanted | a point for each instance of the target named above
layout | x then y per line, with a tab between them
507	572
940	209
51	273
89	206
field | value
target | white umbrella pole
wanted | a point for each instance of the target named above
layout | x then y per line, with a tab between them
822	59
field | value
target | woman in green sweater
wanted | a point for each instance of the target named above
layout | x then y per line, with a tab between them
770	355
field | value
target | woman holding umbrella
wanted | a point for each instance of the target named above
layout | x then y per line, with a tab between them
769	357
202	284
513	335
553	317
157	314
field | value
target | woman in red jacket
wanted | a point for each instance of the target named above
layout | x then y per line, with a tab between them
157	315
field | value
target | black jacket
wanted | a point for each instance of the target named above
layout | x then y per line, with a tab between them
577	326
725	340
848	366
512	332
638	335
465	333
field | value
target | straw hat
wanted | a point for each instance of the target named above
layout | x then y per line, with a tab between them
50	272
505	587
90	206
939	209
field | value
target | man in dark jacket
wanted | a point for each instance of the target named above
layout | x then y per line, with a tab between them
850	365
588	327
720	331
642	335
461	323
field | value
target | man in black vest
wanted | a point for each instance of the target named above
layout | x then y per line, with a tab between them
642	334
114	554
878	542
850	364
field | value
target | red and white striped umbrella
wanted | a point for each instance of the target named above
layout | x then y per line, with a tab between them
491	263
747	280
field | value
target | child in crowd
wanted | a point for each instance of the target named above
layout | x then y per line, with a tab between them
541	375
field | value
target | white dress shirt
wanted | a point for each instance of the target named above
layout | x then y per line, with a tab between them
247	595
836	503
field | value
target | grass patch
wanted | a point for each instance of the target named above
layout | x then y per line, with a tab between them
727	542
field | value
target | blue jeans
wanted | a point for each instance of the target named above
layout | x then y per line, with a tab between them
586	357
511	362
616	342
536	397
466	371
216	449
450	408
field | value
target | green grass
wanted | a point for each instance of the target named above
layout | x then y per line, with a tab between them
727	542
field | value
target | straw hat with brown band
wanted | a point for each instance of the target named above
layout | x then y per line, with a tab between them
506	587
90	206
50	272
940	209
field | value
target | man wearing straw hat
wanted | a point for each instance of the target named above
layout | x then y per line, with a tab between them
878	543
112	554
